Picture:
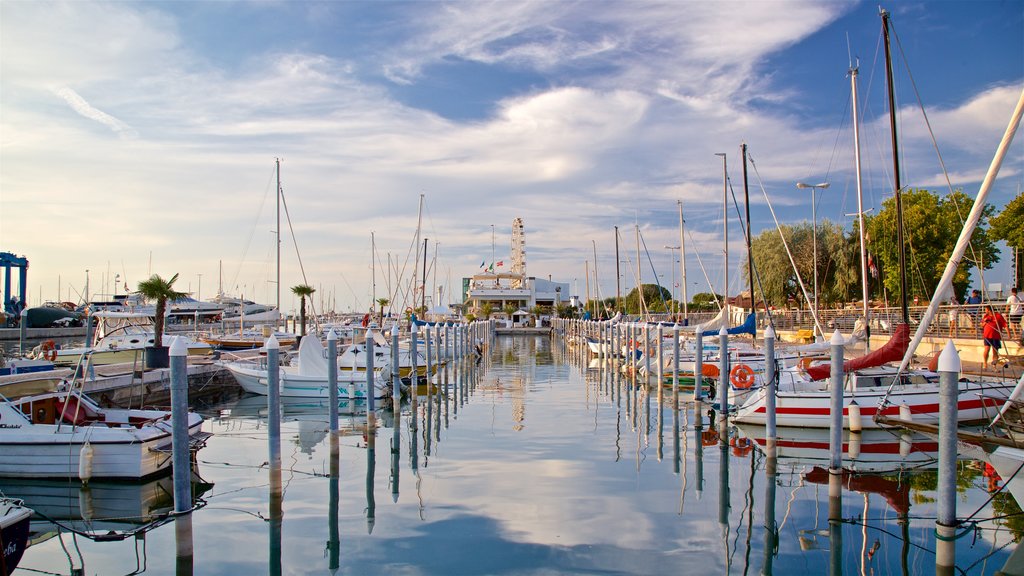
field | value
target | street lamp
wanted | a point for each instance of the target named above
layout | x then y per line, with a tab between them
814	232
672	255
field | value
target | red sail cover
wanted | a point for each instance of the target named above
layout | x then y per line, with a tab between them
892	351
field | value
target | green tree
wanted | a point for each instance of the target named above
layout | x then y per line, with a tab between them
303	291
382	302
704	302
1006	226
931	226
655	298
160	291
486	310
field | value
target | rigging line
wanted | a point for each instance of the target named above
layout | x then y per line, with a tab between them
252	231
703	269
757	273
803	289
661	294
295	243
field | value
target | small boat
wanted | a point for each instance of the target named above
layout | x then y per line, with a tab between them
307	377
49	431
14	525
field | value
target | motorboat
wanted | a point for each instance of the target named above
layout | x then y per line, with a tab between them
56	431
120	337
14	528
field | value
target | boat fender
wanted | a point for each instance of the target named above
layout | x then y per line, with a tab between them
85	503
853	447
905	413
742	376
85	463
906	443
854	422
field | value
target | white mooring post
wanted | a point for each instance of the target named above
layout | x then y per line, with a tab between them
332	378
769	395
945	523
180	461
723	372
273	400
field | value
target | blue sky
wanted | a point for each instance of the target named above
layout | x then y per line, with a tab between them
141	136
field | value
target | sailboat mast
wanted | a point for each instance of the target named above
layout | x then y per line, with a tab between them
639	272
280	315
618	275
416	245
423	295
896	170
860	208
597	283
373	269
682	259
750	253
725	232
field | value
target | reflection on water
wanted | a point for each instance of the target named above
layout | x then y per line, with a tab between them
537	460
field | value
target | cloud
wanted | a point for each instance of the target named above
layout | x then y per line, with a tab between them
79	105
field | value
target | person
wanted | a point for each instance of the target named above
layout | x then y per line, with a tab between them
1015	311
973	306
992	326
954	312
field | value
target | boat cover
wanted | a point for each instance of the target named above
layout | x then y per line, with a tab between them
891	351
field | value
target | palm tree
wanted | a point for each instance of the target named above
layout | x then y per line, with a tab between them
160	290
382	302
302	291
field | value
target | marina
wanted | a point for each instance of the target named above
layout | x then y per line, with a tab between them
581	472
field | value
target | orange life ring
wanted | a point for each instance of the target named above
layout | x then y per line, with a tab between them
709	437
709	370
741	446
742	376
49	350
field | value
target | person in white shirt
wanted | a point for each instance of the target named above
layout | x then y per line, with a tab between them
1015	311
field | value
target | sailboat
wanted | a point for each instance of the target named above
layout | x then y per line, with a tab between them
873	390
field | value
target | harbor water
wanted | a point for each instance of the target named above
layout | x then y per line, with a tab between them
533	460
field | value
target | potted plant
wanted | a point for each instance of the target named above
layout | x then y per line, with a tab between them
160	291
302	291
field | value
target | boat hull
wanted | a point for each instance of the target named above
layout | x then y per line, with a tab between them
14	529
256	381
812	409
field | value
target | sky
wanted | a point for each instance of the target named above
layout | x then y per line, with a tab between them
141	137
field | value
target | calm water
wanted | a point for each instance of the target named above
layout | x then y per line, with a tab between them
531	463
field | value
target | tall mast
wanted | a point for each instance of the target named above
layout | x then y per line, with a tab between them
373	269
586	274
896	170
750	253
639	273
682	259
725	231
280	315
416	260
423	295
618	275
860	209
597	283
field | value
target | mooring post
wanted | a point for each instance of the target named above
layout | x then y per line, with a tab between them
698	365
946	523
769	392
396	376
371	379
332	378
661	360
180	461
273	399
23	331
835	441
414	377
675	369
723	372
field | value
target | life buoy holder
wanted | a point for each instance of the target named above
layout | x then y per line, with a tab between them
49	350
741	446
742	376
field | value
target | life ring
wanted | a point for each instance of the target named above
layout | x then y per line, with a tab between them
709	437
409	310
49	350
741	446
742	376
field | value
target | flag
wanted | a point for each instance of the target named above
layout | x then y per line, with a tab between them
872	269
484	263
501	263
491	268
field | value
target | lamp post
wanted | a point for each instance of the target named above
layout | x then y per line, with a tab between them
814	232
672	254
